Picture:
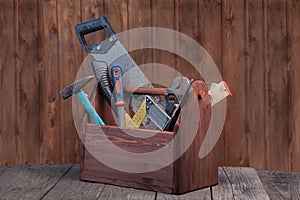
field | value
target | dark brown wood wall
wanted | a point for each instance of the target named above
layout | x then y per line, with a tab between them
255	44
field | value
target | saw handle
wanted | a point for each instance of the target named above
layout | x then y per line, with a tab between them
90	27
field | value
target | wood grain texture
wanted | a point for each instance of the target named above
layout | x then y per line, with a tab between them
183	175
139	15
277	156
255	84
185	181
61	182
254	43
28	82
8	84
186	22
280	184
234	183
234	71
294	73
198	194
223	190
118	14
210	38
245	183
70	187
70	58
30	182
118	193
95	171
50	138
163	15
122	139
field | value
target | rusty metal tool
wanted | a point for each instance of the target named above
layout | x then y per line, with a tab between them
112	53
174	96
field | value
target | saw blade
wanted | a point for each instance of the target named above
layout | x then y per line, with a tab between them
113	53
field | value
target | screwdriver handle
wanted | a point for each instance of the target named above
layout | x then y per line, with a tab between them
117	78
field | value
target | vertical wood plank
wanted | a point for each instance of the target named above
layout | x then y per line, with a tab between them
210	38
277	134
186	17
28	97
117	13
163	15
255	87
70	58
139	15
50	138
294	62
234	74
8	123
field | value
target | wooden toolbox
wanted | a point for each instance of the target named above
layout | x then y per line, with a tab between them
185	174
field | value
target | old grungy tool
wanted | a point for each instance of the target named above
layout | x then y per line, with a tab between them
163	117
156	114
166	118
218	92
117	79
113	53
177	92
76	88
180	87
102	76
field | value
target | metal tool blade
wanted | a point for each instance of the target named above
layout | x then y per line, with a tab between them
75	87
156	114
113	53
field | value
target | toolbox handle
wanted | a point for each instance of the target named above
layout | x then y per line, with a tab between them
90	27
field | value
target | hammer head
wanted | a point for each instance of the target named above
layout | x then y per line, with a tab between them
75	87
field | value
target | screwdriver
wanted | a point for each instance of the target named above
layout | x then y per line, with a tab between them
117	79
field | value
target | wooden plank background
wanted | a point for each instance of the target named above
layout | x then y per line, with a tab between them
255	44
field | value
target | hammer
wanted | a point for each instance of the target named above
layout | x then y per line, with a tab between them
76	88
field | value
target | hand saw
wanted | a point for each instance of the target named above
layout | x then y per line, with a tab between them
113	53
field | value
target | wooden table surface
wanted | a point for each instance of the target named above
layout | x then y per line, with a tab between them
62	182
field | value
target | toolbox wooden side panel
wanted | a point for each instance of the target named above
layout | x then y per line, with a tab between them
191	172
160	180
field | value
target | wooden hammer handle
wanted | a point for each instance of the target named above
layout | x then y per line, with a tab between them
145	90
